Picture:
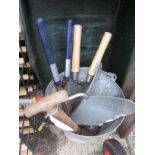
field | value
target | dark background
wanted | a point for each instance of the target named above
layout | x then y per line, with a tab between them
96	17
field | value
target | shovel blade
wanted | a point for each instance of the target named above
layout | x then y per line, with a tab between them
99	109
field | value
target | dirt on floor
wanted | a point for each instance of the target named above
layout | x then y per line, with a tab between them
52	141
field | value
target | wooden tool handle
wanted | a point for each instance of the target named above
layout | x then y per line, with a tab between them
100	52
66	105
46	103
63	117
76	48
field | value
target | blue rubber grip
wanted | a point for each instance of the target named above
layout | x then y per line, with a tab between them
69	39
45	40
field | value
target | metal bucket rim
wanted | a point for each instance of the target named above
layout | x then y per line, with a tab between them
96	136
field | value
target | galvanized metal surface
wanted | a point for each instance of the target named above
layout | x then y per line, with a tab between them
106	86
111	128
99	109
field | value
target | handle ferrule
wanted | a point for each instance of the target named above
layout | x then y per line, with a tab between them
55	74
67	69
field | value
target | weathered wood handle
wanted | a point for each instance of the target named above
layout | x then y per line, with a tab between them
100	52
76	49
46	103
63	117
66	105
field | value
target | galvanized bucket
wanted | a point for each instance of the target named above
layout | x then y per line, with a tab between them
104	85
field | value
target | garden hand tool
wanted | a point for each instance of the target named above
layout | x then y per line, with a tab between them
49	53
98	56
96	65
69	46
58	123
75	68
76	51
48	50
61	119
98	109
93	111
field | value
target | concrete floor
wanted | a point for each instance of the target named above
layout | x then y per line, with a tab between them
67	147
52	141
92	148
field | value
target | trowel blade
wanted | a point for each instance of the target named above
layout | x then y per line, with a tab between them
99	109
